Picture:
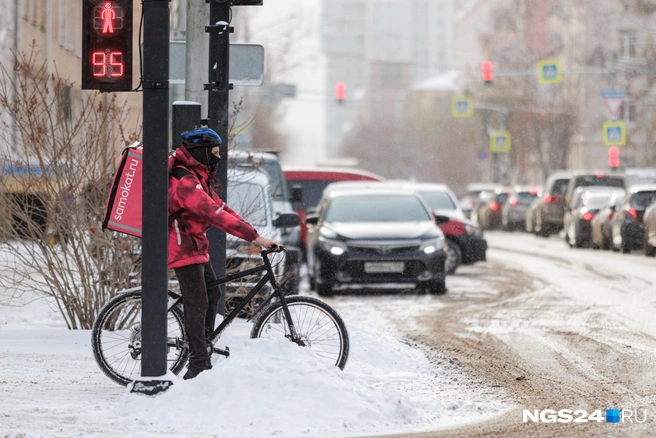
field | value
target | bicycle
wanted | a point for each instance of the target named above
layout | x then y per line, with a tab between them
306	321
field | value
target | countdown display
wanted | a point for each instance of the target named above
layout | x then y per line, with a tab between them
107	45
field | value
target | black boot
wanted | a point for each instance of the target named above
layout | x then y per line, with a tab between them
193	371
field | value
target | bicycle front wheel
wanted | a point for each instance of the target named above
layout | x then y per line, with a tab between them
317	324
116	338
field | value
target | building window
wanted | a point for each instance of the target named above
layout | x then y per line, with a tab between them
628	42
65	103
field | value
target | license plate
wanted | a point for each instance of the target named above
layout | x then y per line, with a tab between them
383	267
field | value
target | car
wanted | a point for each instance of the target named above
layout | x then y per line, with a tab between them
531	211
373	236
249	195
464	242
489	213
600	235
572	212
593	179
290	237
306	186
626	225
579	215
649	235
471	200
513	211
550	209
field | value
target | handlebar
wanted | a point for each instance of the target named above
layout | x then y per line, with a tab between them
266	252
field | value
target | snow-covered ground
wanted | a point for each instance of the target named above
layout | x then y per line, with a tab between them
50	384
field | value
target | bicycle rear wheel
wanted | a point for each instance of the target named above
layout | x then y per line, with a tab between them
319	326
116	338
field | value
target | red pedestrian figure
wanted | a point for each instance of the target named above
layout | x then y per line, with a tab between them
108	15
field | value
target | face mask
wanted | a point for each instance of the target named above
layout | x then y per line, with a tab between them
205	156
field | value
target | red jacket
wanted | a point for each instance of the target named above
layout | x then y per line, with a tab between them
195	206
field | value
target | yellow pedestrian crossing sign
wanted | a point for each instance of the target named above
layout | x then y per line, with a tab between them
462	107
500	141
614	133
549	71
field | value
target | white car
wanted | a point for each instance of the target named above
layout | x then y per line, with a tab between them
249	196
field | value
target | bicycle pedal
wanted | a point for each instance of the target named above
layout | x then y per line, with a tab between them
225	352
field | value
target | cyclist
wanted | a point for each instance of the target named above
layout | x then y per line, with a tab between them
193	207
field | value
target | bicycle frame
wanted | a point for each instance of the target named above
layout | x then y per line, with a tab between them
269	277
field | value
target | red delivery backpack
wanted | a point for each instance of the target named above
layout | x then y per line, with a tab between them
123	209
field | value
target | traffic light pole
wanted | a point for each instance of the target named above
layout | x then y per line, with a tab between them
217	112
154	274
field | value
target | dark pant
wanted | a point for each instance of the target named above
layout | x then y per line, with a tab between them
200	305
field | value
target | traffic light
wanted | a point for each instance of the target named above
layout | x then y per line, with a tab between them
340	91
487	72
614	157
107	45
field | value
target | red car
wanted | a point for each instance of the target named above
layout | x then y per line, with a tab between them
306	186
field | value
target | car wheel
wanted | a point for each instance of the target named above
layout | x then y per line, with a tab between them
453	256
437	287
324	290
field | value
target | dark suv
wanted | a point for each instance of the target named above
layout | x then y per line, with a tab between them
550	208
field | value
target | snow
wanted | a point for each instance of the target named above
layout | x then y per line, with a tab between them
50	384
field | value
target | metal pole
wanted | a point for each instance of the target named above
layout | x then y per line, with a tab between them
196	53
218	109
155	194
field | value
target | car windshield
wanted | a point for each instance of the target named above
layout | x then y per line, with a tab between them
377	208
526	197
438	200
277	185
595	202
249	201
642	200
599	180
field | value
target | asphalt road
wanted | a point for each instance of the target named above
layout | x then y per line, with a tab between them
568	329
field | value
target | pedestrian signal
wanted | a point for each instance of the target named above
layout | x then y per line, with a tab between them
107	45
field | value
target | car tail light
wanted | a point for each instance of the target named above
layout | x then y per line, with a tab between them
610	216
587	216
513	201
633	213
548	199
599	175
494	206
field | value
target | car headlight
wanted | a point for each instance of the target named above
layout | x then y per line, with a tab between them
432	245
332	246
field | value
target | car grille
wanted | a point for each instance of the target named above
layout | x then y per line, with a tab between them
383	248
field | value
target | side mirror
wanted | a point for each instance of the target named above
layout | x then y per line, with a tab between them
441	219
312	219
286	220
296	194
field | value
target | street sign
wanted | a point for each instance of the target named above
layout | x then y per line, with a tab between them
549	71
246	64
500	141
614	133
462	107
613	100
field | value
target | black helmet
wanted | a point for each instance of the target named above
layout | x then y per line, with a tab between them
201	137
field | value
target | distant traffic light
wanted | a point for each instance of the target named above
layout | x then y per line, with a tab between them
614	157
487	72
340	91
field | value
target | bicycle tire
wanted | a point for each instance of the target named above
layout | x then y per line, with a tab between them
113	354
271	322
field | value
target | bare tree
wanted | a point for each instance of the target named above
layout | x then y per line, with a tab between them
54	192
